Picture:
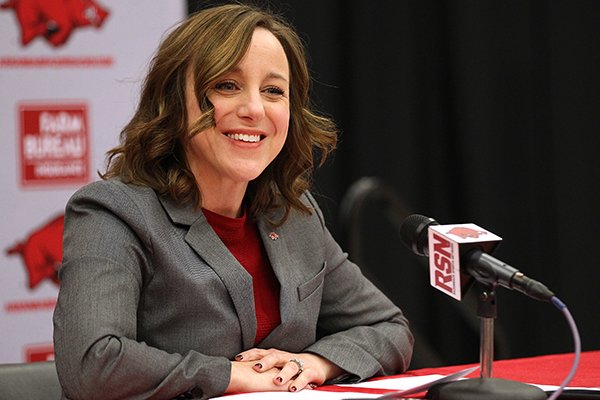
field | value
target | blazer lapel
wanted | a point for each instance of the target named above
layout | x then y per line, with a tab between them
205	242
287	270
283	265
300	272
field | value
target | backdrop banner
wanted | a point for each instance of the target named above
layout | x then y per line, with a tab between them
70	74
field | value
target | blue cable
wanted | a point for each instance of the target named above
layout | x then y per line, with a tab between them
577	343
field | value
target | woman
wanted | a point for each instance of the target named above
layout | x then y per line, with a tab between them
200	264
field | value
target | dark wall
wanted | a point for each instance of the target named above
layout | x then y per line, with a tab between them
467	111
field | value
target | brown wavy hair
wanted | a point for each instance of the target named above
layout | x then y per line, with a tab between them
208	44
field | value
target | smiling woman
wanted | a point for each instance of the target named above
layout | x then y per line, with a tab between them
201	264
215	42
251	116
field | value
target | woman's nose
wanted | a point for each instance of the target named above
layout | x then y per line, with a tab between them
251	106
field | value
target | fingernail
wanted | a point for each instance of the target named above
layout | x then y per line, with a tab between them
239	357
258	365
293	389
312	385
279	379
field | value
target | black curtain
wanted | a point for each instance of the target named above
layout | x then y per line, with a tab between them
467	111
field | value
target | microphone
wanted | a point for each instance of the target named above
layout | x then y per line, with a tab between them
451	246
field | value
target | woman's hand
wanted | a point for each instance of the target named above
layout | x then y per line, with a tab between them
244	378
293	371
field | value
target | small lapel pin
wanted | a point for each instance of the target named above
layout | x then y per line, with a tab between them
273	236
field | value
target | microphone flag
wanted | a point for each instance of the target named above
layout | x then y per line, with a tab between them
446	244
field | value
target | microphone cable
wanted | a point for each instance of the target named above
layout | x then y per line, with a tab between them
577	343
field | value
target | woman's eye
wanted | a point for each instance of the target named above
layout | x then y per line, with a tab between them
274	91
226	86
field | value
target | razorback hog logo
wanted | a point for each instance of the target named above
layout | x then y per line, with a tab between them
466	232
42	252
54	19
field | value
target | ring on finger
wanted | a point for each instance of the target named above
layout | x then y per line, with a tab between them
299	363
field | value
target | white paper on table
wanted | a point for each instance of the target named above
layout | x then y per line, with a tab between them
410	385
301	395
551	388
390	384
398	384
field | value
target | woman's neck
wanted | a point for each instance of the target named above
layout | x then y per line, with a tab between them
223	198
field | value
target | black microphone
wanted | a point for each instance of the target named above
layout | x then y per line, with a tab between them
416	234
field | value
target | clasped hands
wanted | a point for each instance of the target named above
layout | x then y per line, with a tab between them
258	370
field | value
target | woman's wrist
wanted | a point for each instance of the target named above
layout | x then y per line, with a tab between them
330	369
233	378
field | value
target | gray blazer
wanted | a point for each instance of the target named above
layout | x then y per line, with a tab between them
152	304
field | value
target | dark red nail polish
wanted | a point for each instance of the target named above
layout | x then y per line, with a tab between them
293	388
258	365
239	357
279	379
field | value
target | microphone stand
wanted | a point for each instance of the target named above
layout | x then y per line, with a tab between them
487	313
485	387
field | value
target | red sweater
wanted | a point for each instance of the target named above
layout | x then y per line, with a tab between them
241	236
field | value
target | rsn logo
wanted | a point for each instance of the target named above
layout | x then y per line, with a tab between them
443	274
54	20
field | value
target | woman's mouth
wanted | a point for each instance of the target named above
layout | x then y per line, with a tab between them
243	137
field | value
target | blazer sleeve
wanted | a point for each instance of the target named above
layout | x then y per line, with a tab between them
96	352
359	328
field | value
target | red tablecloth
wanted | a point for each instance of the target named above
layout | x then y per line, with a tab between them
541	370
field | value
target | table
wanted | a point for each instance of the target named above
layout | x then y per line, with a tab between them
541	370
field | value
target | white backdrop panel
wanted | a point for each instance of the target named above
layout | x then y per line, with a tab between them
97	67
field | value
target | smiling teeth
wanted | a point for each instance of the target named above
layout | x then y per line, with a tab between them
243	137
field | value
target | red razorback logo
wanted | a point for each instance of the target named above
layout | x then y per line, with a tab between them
466	232
54	19
42	252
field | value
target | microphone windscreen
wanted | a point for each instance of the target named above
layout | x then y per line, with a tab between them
413	233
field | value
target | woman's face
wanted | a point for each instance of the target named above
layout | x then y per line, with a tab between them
252	114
